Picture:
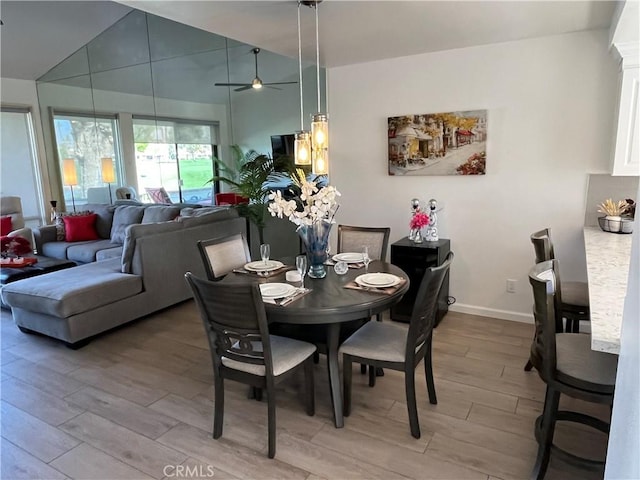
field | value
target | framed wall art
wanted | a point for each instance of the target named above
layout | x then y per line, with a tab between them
451	143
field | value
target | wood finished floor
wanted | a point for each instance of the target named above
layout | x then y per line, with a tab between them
138	401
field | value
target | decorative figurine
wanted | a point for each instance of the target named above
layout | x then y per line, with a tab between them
432	228
415	208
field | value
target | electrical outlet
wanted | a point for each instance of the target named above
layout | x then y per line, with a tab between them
511	285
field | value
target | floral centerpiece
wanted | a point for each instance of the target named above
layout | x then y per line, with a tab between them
311	208
14	246
419	220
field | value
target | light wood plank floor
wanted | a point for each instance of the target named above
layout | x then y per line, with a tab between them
138	402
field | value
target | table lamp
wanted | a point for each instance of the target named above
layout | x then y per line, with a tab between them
70	176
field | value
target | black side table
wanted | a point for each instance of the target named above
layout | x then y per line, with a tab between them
414	259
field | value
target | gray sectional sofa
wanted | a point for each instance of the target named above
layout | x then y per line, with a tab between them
116	283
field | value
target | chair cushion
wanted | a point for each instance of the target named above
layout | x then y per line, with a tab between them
377	341
286	353
575	293
579	366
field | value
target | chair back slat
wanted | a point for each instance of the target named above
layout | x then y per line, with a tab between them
223	254
425	307
235	321
545	283
352	239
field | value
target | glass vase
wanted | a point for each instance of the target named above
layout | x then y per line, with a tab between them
417	238
316	238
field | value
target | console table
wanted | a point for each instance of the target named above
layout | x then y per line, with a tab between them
414	259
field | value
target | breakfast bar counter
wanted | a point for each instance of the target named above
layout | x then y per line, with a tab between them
608	258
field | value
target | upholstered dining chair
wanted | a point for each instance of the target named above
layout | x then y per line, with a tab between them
222	254
353	239
575	295
11	207
243	350
567	364
383	344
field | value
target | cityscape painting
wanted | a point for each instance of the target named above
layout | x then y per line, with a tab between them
452	143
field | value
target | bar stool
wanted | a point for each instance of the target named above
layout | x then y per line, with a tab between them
566	363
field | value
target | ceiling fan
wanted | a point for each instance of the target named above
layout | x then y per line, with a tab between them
256	83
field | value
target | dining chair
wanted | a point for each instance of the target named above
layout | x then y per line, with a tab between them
568	365
242	349
352	239
388	345
222	254
575	295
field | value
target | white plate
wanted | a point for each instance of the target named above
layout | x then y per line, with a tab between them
348	257
276	290
261	266
378	280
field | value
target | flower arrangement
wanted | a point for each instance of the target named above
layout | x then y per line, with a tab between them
309	204
17	246
419	220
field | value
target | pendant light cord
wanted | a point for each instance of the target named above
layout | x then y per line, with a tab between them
300	72
317	55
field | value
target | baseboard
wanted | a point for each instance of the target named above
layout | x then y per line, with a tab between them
492	312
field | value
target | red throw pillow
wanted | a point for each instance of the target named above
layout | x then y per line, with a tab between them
6	226
80	228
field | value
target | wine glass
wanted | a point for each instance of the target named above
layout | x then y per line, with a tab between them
301	266
366	258
265	251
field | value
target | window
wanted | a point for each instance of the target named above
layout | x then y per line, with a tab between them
176	155
19	172
87	139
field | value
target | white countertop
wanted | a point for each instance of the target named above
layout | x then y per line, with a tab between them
608	258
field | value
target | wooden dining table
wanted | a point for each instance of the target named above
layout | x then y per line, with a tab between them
331	304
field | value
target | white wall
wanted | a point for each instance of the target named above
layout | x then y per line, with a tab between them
22	93
551	104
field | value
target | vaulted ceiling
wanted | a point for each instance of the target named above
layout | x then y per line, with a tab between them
37	35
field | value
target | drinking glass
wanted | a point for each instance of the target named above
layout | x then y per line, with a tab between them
301	266
366	258
265	251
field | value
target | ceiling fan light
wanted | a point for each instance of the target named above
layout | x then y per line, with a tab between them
302	148
256	83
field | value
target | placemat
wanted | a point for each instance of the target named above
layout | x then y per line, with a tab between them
268	274
385	290
283	302
331	263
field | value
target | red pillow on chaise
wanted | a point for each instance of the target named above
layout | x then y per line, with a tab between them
6	226
80	228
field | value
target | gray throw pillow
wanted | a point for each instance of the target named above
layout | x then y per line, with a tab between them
160	214
104	219
124	216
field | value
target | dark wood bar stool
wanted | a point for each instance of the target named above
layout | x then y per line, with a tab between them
568	365
575	295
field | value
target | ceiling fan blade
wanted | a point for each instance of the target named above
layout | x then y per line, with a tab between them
232	84
279	83
273	88
243	88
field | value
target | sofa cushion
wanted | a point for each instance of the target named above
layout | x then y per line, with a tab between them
72	291
87	251
59	222
124	216
159	213
80	228
104	218
109	253
55	249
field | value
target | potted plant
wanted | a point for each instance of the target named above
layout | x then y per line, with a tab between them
613	220
247	174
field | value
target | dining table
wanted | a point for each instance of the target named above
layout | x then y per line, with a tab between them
331	303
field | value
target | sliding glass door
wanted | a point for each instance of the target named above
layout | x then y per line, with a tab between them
177	156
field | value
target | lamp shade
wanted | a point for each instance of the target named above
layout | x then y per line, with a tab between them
302	148
320	131
69	173
108	170
320	162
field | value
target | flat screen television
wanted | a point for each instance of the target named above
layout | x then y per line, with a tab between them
282	145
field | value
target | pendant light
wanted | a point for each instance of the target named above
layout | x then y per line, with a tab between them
302	143
319	121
